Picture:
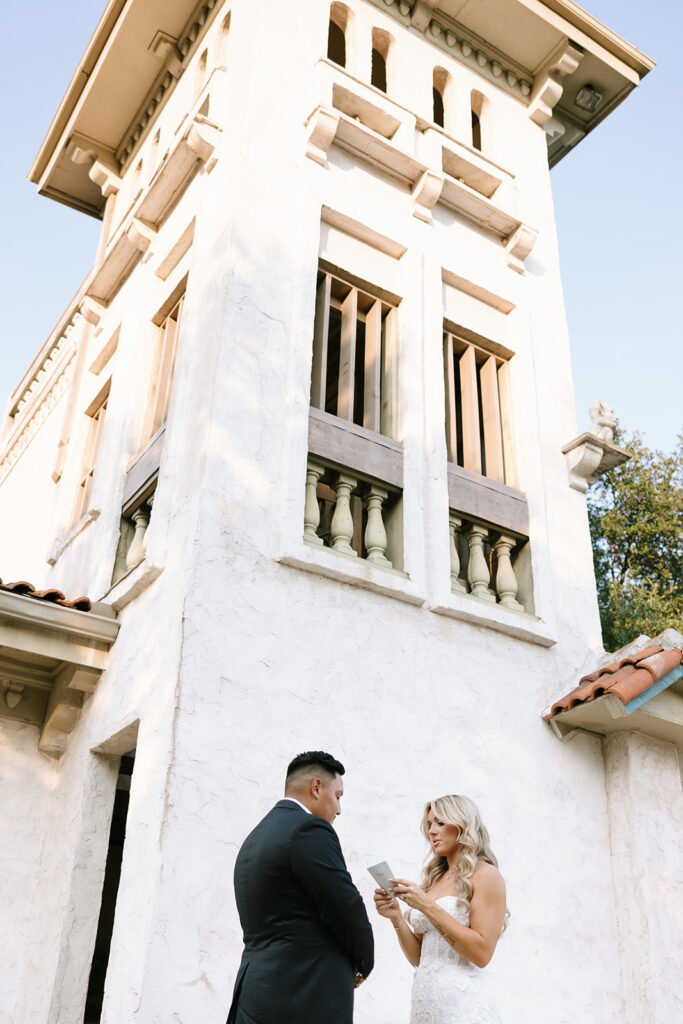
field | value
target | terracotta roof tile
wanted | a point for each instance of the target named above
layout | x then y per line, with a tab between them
627	678
25	589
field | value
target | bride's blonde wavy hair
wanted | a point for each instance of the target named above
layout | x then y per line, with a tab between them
473	839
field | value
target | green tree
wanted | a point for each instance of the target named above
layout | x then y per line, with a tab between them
636	522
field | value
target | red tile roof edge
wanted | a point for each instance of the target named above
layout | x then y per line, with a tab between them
52	595
627	678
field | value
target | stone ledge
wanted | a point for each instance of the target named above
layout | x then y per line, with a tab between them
494	616
355	571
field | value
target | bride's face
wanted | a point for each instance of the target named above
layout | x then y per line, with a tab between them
443	837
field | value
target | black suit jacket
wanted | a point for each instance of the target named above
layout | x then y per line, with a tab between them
305	928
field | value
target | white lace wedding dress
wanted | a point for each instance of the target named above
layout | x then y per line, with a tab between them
447	989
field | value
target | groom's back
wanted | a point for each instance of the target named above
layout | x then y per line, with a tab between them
272	902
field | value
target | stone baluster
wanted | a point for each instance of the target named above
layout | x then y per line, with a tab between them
314	471
478	575
150	505
136	551
454	524
341	528
120	564
375	533
506	581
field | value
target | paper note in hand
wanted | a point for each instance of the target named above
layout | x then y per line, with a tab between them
382	874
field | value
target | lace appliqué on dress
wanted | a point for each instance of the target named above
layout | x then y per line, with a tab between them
447	989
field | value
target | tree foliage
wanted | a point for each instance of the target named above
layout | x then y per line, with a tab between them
636	522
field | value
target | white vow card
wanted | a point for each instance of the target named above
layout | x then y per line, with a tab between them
382	874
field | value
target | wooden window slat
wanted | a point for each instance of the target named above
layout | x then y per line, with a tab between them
90	452
470	411
451	399
321	333
506	422
354	369
347	356
493	441
389	385
373	367
162	375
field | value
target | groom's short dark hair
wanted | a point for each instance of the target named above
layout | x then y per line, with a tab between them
312	761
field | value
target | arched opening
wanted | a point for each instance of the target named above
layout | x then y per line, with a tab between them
200	79
438	107
381	45
480	118
441	88
154	151
221	51
336	44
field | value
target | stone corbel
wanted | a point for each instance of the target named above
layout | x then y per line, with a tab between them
105	175
426	195
422	14
322	128
590	457
549	82
63	711
165	47
519	245
91	311
104	169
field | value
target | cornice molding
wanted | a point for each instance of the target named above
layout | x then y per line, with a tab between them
176	54
465	46
40	394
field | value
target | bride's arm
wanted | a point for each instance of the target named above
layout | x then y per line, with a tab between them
410	943
487	913
389	907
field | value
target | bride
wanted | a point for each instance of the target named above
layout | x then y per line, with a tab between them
456	917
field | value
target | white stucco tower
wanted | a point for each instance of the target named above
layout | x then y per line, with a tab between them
299	437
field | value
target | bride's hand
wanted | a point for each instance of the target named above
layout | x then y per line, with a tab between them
412	894
387	905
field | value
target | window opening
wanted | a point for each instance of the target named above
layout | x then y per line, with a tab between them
92	447
162	373
379	70
477	409
336	44
476	131
110	887
438	107
354	355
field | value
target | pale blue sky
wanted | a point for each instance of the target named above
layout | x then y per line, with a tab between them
619	217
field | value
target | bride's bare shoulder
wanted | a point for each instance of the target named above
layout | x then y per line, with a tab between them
488	876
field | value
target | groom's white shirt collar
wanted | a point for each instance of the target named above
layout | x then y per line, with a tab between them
297	802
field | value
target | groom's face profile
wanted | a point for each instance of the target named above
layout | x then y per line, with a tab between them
328	793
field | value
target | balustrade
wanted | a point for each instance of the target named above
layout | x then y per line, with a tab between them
133	538
348	514
482	562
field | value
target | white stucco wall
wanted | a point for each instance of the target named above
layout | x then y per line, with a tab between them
232	660
646	825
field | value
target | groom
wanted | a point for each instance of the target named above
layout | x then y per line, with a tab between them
307	939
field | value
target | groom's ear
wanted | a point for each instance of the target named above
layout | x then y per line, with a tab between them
315	786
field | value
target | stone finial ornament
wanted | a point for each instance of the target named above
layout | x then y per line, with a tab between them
603	420
594	453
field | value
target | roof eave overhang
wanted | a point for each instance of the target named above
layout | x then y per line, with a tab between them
657	713
51	657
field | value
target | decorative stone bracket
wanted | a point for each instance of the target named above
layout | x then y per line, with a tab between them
51	657
429	185
549	82
590	457
104	168
125	251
